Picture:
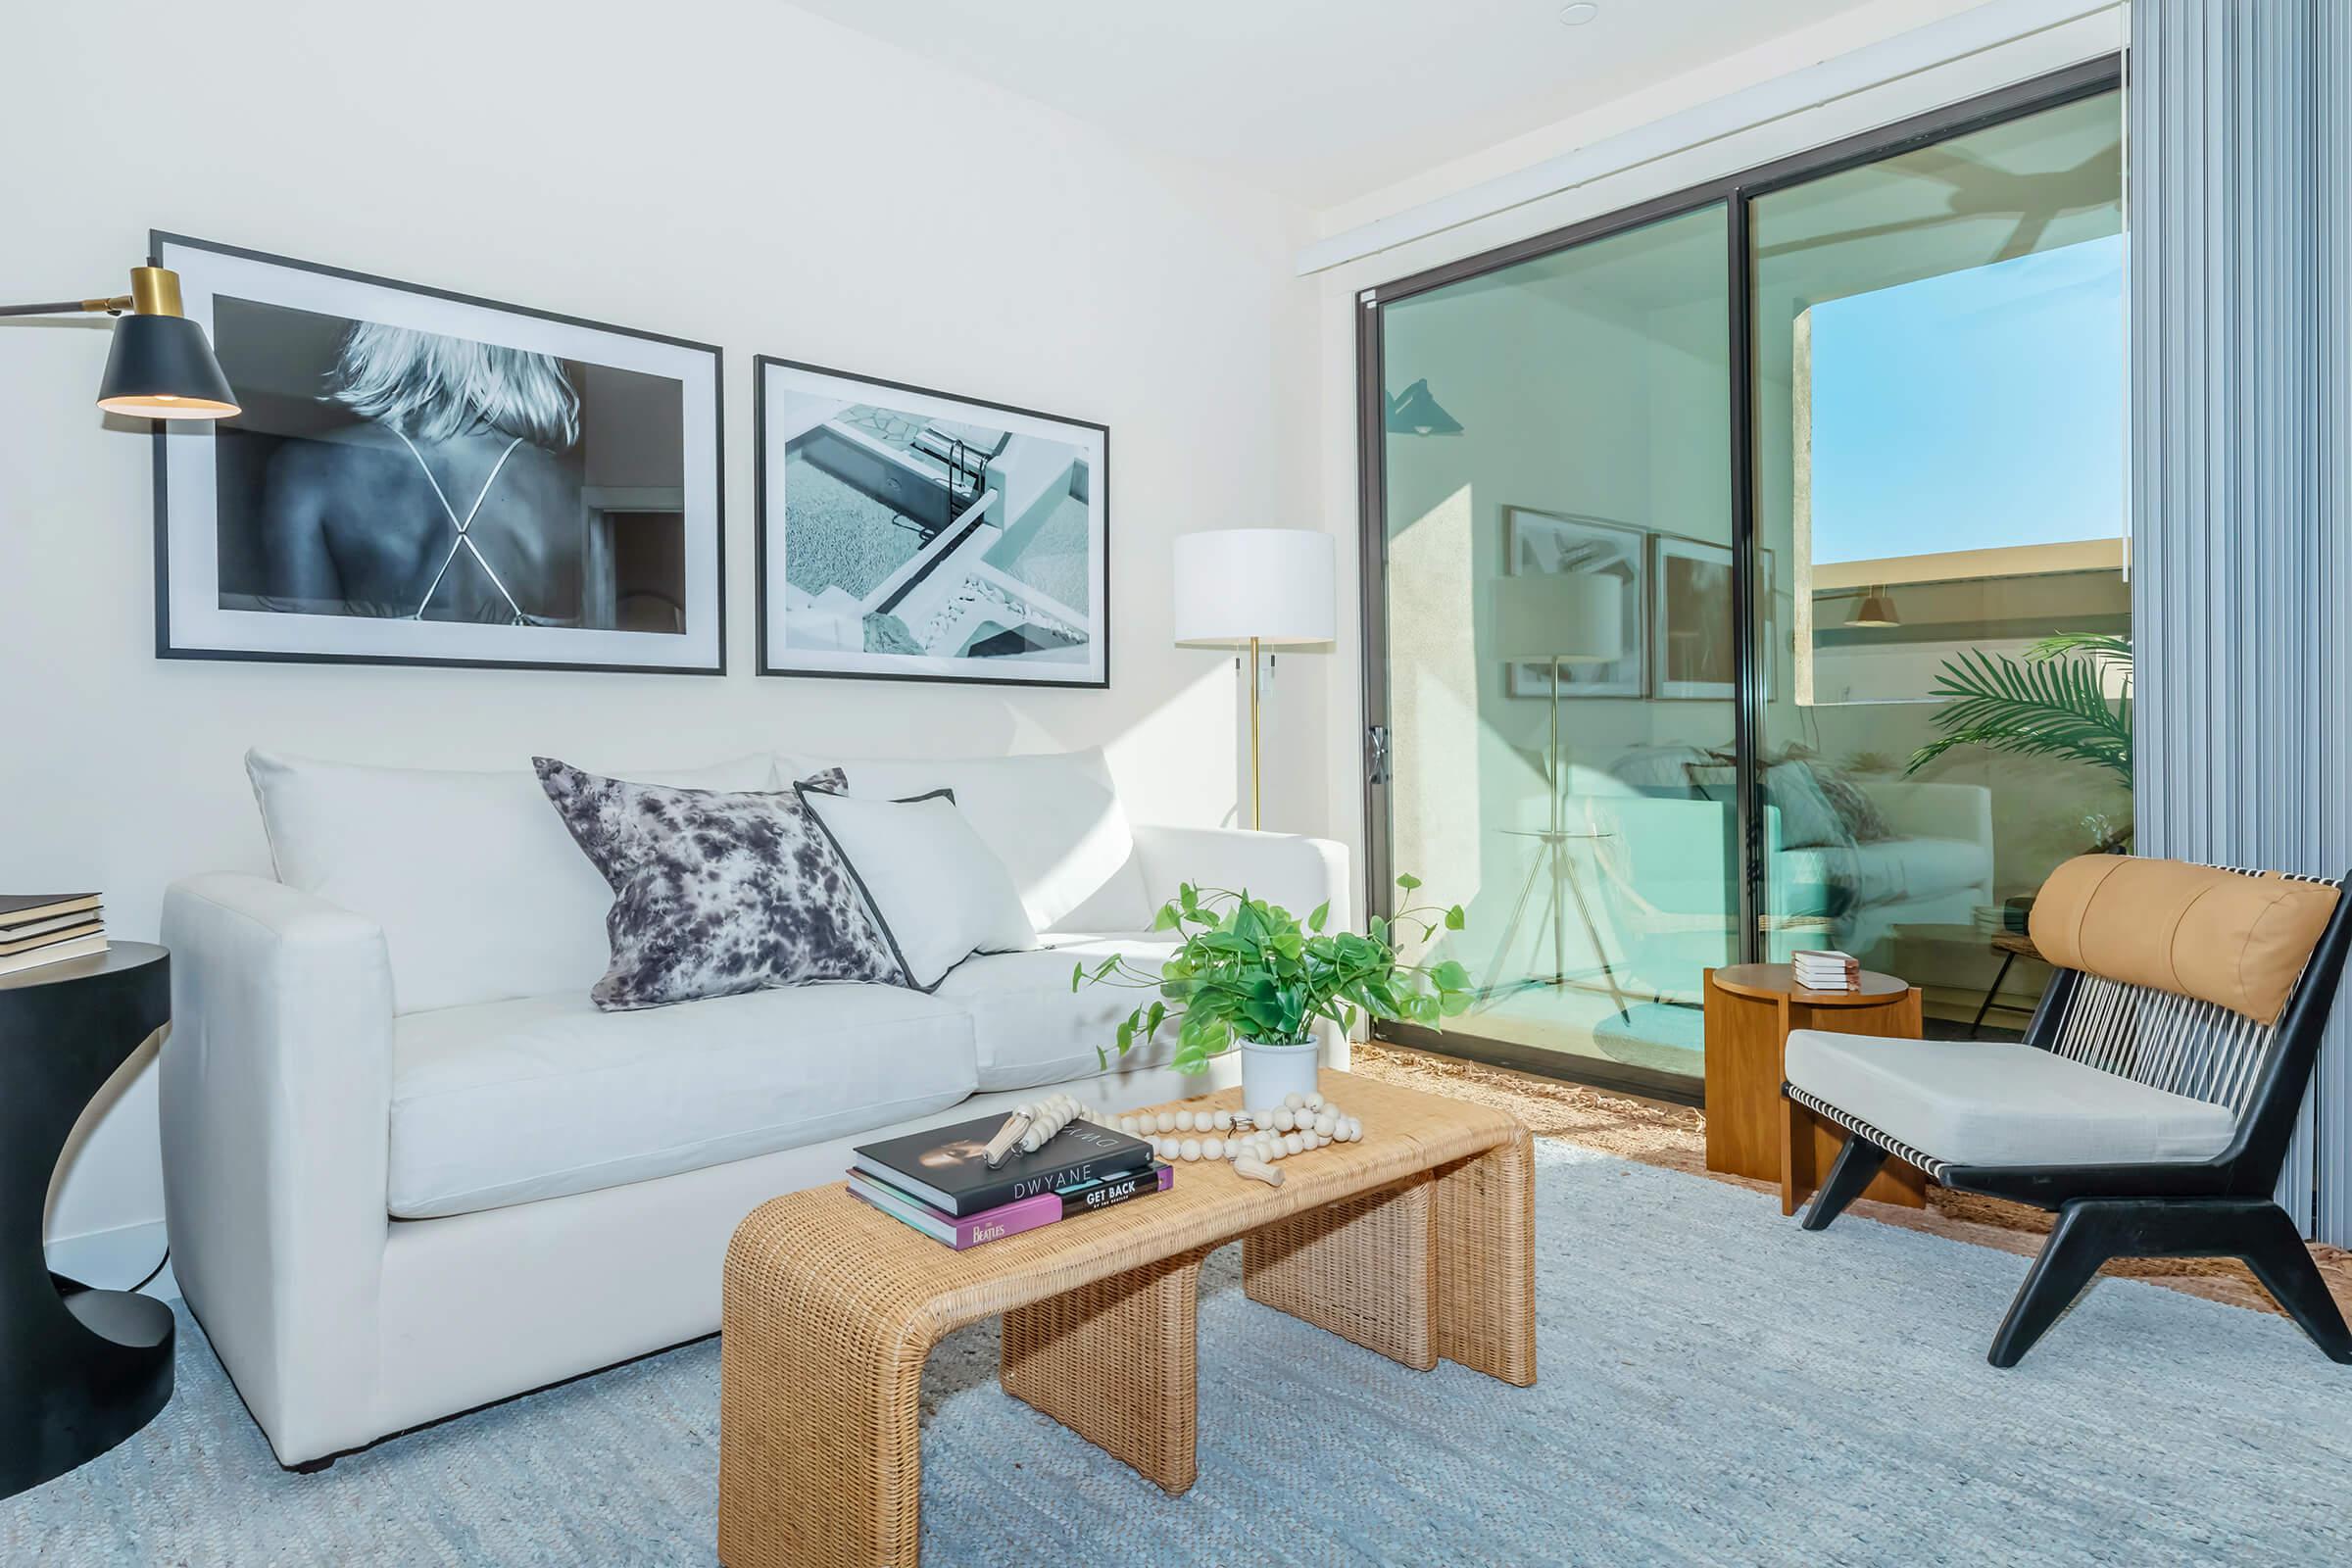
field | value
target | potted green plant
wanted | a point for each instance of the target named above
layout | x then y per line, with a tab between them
1251	973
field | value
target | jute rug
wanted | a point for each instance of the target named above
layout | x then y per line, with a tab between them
1715	1386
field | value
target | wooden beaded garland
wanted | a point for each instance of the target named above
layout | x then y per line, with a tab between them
1253	1140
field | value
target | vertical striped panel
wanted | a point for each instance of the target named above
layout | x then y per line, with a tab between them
2241	466
2330	646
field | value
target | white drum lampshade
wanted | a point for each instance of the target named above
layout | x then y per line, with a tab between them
1271	585
1577	617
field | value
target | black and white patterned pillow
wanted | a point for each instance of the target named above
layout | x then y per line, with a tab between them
714	893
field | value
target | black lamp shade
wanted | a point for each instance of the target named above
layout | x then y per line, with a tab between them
1414	411
161	368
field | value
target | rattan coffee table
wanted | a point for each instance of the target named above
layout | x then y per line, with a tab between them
1418	1242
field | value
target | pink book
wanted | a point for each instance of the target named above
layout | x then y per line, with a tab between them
1009	1219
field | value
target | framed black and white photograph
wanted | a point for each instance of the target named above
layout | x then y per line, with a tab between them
912	536
1556	542
421	477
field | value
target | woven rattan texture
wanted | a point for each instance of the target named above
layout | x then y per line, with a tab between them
1365	1269
830	1309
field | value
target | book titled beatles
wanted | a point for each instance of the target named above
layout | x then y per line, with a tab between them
1010	1219
946	1167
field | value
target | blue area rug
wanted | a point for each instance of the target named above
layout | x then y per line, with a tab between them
1717	1386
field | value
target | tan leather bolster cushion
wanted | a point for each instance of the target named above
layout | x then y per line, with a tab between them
2194	930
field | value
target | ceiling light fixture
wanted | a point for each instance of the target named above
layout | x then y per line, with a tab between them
1576	16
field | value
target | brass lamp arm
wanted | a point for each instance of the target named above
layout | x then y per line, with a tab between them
154	291
111	307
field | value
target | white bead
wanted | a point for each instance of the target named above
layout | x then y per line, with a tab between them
1167	1121
1325	1121
1314	1102
1126	1124
1162	1147
1190	1149
1292	1101
1294	1144
1222	1120
1213	1149
1284	1121
1184	1121
1355	1130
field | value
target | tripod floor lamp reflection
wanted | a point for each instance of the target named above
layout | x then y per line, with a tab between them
1557	619
1248	587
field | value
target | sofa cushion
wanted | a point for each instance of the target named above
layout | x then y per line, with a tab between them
1890	872
1978	1103
1029	1027
716	892
1055	822
934	891
479	890
509	1101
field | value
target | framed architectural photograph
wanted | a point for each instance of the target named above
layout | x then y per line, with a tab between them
1553	541
421	477
907	534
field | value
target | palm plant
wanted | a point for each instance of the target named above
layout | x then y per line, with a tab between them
2052	703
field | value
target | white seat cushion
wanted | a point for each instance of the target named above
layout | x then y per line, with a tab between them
1977	1103
480	891
507	1101
1029	1027
1054	819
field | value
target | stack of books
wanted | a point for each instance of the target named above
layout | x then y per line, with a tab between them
38	928
939	1181
1826	969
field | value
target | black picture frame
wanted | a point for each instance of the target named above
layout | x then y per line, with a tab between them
165	648
768	649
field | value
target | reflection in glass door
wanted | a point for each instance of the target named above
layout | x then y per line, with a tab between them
1561	644
1939	510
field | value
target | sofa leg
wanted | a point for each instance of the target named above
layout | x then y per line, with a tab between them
1856	1163
2273	1249
2078	1243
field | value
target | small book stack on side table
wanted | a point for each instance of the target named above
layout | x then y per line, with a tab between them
1752	1128
38	928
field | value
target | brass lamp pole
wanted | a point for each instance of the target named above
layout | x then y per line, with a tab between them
1246	587
160	367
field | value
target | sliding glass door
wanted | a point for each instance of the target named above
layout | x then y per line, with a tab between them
1557	608
1685	533
1939	513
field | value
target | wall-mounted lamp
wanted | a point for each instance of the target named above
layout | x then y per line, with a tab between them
1413	412
160	367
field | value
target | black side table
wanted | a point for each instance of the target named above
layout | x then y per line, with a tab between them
80	1369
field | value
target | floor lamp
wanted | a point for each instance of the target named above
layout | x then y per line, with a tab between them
1558	618
1246	587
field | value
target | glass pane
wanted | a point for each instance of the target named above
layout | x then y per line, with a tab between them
1939	432
1561	639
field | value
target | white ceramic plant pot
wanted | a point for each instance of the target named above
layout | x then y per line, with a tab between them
1269	1072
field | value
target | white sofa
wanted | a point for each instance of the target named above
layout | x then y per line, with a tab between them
409	1169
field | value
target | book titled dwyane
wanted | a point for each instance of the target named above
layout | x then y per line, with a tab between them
946	1167
1009	1219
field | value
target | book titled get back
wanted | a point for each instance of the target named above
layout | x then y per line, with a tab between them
946	1167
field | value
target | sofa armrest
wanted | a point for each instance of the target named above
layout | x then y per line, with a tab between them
1290	869
1935	810
277	1087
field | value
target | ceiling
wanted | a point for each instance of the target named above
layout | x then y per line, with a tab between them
1322	100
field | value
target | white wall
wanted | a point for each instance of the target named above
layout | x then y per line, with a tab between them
2035	51
740	175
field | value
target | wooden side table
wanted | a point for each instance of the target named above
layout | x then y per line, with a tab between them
1753	1129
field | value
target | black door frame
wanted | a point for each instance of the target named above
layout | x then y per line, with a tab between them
1734	193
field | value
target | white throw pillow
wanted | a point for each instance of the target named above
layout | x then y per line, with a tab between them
931	883
481	892
1054	819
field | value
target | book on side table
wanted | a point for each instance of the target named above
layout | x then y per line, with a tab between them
38	928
